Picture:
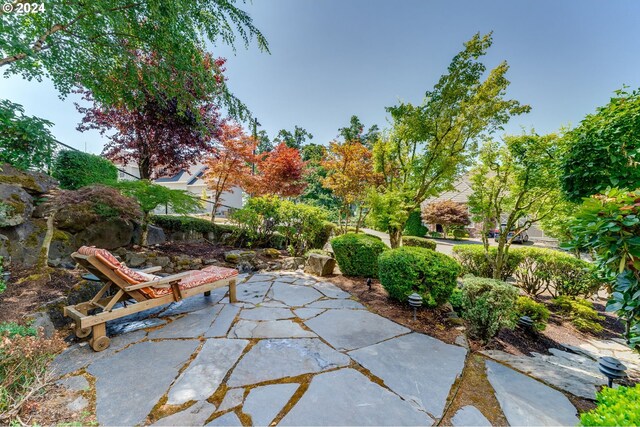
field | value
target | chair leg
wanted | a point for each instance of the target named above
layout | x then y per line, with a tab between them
232	291
207	294
99	341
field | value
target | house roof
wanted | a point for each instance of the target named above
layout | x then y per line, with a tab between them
460	193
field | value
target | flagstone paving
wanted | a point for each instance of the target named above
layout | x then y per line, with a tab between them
293	351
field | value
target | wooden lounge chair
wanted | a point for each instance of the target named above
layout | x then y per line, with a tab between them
137	290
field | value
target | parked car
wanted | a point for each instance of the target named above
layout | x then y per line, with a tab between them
522	237
493	232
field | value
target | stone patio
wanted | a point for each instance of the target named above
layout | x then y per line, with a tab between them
295	351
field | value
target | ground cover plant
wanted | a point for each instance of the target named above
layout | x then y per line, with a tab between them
616	407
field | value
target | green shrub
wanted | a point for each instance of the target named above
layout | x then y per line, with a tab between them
616	407
323	235
186	224
3	285
75	169
406	270
419	242
435	234
455	299
357	254
11	329
414	225
538	312
557	272
488	305
300	224
581	313
474	260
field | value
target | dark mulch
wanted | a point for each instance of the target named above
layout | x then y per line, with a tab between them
430	322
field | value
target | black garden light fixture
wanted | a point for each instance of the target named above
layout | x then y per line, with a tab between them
612	368
415	301
369	282
526	323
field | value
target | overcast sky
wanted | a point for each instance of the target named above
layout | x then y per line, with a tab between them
331	59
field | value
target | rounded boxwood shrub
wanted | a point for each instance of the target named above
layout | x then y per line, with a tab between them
419	242
357	254
474	260
406	270
488	305
616	407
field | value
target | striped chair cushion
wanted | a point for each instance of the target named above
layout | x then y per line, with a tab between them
102	254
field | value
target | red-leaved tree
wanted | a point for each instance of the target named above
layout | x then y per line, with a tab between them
163	135
228	165
447	213
280	172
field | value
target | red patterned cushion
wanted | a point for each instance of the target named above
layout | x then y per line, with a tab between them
221	272
102	254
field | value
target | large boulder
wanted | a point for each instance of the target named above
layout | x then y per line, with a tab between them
320	265
25	241
107	234
16	206
155	235
292	263
34	183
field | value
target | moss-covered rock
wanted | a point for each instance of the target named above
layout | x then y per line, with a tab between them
109	234
16	205
34	183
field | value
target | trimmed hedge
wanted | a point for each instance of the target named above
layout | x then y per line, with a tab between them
474	261
489	305
75	169
556	272
414	226
323	235
406	270
357	254
186	224
419	242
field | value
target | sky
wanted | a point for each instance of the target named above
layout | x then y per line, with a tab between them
331	59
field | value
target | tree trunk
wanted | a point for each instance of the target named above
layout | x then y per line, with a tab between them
43	257
145	229
216	201
395	237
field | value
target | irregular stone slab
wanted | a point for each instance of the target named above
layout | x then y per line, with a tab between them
223	322
294	296
128	386
78	404
331	291
351	329
281	358
74	384
260	278
228	419
526	401
204	375
337	304
469	416
252	292
263	404
269	329
123	328
346	397
192	325
195	303
194	415
233	398
271	303
286	278
305	281
401	364
575	374
307	313
266	313
80	355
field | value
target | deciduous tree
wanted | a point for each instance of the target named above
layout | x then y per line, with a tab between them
355	132
447	213
280	172
295	139
228	165
430	145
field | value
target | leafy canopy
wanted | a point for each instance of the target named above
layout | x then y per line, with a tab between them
604	150
150	196
26	141
74	169
96	43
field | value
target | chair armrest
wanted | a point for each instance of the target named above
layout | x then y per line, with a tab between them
150	269
164	281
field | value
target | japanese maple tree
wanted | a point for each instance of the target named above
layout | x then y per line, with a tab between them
228	165
447	213
280	172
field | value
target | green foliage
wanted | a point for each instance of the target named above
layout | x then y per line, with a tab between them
293	139
418	241
26	141
604	150
556	272
489	305
3	284
323	234
431	144
581	313
406	270
75	169
357	254
95	45
455	299
151	195
11	329
616	407
538	312
189	223
609	226
476	261
258	218
414	225
301	225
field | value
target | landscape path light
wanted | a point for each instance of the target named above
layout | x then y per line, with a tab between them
612	368
415	301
